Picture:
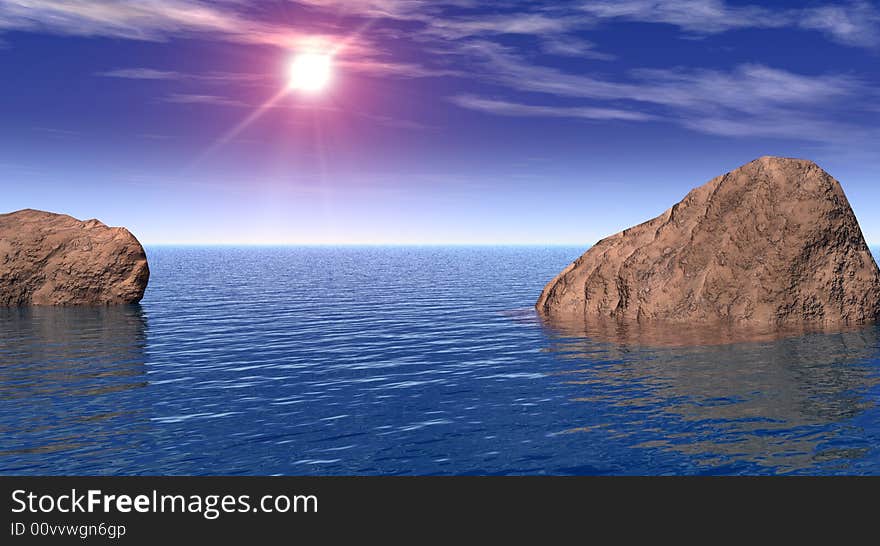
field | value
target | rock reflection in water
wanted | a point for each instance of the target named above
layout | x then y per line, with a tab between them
67	375
770	399
660	334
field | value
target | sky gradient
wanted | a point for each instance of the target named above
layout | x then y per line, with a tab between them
445	121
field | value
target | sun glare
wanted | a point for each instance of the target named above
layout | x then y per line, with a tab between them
310	72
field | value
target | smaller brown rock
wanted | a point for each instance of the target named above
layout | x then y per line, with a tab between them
55	259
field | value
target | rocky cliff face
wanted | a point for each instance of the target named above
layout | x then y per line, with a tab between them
773	242
54	259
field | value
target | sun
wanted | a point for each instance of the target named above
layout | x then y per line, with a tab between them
310	72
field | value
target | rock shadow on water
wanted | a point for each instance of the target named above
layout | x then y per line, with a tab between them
728	399
68	382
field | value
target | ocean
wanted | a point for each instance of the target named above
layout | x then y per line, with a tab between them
409	360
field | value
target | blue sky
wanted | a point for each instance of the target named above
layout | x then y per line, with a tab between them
445	121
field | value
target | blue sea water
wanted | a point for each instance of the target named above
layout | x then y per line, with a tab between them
409	361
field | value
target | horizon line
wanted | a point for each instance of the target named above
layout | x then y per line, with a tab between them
385	244
337	244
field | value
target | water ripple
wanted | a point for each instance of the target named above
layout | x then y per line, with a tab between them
408	361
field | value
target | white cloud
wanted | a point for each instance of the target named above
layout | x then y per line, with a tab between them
856	24
505	108
392	9
403	70
215	100
537	24
748	87
141	74
119	19
748	100
699	16
161	20
571	46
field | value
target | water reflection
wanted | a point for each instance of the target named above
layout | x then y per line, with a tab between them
788	404
66	378
397	361
660	334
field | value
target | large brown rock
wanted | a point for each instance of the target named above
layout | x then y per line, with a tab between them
773	242
54	259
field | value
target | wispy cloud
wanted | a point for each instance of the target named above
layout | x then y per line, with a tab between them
747	87
216	100
505	108
785	124
748	100
505	66
755	100
458	39
120	19
161	20
698	16
537	24
395	123
58	133
142	74
400	69
232	20
854	23
392	9
441	24
571	46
